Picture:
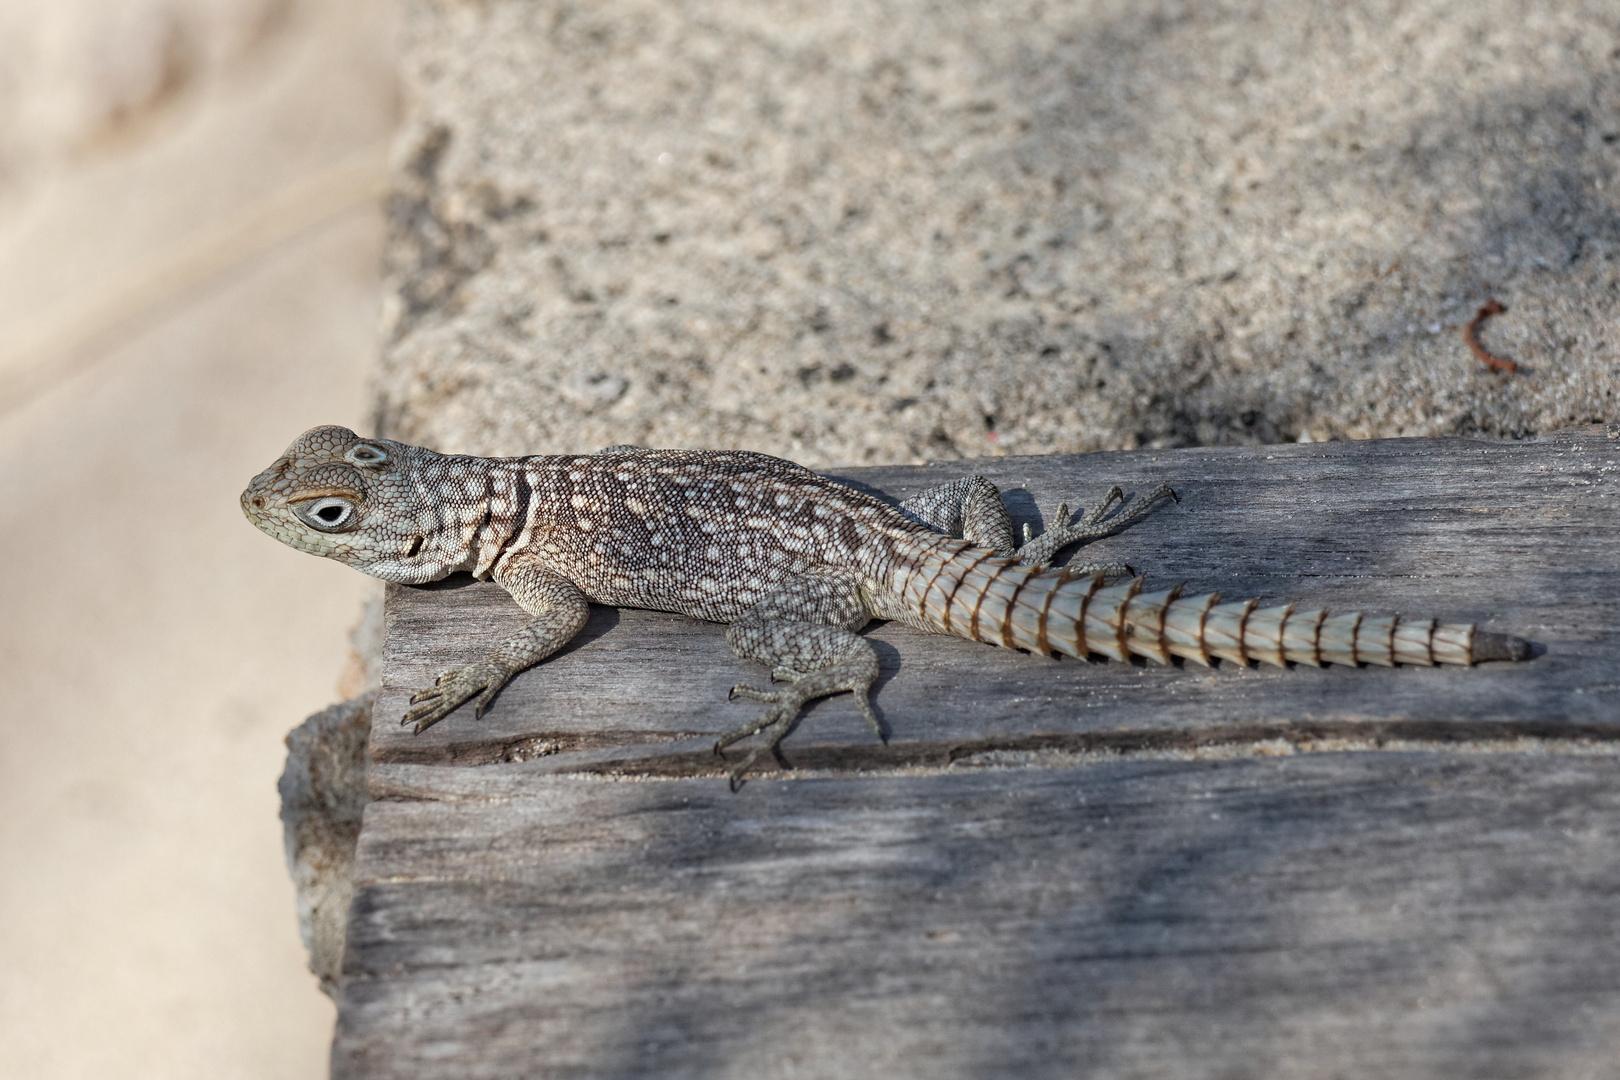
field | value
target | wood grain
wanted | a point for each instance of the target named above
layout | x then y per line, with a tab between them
1055	868
1519	537
1366	915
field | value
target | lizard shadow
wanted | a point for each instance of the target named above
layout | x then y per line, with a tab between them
461	579
863	487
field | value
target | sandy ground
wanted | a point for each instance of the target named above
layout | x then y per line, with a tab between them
182	292
888	230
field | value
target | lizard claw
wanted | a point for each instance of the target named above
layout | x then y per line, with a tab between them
452	690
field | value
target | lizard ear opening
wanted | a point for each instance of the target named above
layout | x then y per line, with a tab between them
366	454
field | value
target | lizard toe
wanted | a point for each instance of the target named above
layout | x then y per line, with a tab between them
776	715
436	690
426	715
863	701
753	693
774	725
452	690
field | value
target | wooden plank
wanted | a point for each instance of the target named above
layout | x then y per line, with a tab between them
1051	870
1517	536
1388	915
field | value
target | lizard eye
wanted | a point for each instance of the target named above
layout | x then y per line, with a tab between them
366	454
329	514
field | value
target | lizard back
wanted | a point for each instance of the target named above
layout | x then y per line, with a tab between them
702	533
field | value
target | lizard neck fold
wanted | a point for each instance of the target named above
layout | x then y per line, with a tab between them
507	523
441	508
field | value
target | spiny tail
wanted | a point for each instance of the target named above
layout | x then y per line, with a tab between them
975	594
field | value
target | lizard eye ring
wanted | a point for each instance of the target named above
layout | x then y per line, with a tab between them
366	454
328	514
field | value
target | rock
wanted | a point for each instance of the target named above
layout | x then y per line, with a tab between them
323	794
867	232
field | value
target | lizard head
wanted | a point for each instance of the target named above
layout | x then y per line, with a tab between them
337	495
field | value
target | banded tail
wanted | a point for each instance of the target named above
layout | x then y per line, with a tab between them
972	593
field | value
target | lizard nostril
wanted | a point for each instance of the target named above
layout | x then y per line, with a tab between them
258	502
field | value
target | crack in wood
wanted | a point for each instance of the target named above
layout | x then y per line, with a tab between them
474	752
1072	749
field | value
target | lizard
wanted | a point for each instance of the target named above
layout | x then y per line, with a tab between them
793	562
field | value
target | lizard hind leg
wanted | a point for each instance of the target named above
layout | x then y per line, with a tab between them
1094	524
805	633
972	508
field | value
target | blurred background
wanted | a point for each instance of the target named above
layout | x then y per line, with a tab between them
190	240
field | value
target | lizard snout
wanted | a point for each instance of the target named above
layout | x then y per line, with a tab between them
257	495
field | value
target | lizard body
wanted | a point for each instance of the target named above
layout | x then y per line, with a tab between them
795	563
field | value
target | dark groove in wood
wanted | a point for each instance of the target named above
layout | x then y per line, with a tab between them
886	757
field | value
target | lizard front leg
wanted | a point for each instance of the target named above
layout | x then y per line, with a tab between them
805	633
559	611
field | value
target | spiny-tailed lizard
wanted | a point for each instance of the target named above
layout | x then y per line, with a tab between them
795	563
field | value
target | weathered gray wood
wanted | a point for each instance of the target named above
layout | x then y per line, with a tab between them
1356	915
1520	537
567	888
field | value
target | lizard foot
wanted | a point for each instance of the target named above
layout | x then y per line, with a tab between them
452	689
774	724
1095	524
